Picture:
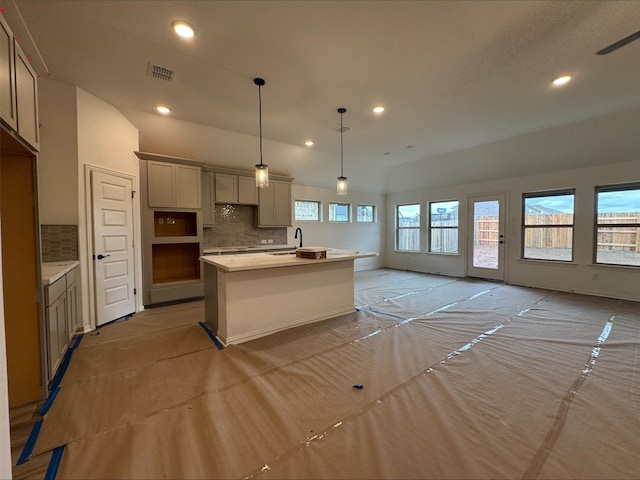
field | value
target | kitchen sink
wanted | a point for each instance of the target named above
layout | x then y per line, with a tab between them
282	253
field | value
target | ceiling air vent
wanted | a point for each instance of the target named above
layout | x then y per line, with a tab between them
161	73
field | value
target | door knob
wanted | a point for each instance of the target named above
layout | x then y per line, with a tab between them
100	256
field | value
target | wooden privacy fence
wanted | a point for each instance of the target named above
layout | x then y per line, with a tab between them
609	238
618	237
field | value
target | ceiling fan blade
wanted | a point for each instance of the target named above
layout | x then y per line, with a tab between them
619	44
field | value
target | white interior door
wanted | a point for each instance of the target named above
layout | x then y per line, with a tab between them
112	246
486	237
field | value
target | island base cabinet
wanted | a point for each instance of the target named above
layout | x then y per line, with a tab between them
244	305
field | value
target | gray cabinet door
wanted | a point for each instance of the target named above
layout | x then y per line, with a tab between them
208	199
226	188
282	203
56	317
187	185
27	99
274	209
72	310
247	191
160	184
7	76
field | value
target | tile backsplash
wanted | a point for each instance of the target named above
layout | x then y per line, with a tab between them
59	242
235	226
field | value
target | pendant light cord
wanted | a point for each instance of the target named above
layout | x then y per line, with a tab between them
341	135
260	117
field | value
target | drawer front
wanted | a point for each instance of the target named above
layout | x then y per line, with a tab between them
53	291
71	276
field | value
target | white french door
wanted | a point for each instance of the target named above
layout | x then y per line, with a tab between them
486	236
113	258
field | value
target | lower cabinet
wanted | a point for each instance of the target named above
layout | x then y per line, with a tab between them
61	316
72	304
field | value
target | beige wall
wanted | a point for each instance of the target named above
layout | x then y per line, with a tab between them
580	276
58	159
106	140
365	237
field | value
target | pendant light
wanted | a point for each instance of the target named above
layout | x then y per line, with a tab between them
342	180
262	170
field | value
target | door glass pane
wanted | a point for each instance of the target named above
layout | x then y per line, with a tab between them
486	234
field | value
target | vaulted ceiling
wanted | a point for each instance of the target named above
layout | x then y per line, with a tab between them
463	82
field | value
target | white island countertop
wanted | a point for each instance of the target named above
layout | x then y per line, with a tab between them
257	261
246	249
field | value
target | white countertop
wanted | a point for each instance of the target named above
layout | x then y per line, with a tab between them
257	261
241	248
52	271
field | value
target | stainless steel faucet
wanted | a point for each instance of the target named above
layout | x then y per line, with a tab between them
296	235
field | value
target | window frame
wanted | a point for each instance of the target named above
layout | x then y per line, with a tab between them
399	228
431	228
597	225
525	227
373	213
348	205
318	202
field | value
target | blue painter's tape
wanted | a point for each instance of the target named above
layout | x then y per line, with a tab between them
211	335
76	344
378	312
54	464
62	370
49	401
31	442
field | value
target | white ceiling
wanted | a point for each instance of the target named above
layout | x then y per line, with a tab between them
452	75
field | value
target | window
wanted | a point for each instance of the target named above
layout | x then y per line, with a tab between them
548	225
339	212
408	228
307	211
365	213
617	228
443	227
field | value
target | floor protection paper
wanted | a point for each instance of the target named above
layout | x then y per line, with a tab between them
437	378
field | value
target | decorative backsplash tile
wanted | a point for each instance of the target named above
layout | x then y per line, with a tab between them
59	242
235	226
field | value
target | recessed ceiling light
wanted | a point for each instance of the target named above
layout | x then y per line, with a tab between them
183	29
563	80
378	109
164	110
309	143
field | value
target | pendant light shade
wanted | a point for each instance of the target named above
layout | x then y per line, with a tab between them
262	170
342	185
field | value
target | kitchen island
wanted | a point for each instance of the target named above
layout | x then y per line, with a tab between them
252	295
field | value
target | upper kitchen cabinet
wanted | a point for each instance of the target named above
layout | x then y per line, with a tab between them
226	188
173	185
18	89
236	189
8	111
208	199
247	191
274	209
27	99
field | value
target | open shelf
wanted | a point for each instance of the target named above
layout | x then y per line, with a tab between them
175	224
175	262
